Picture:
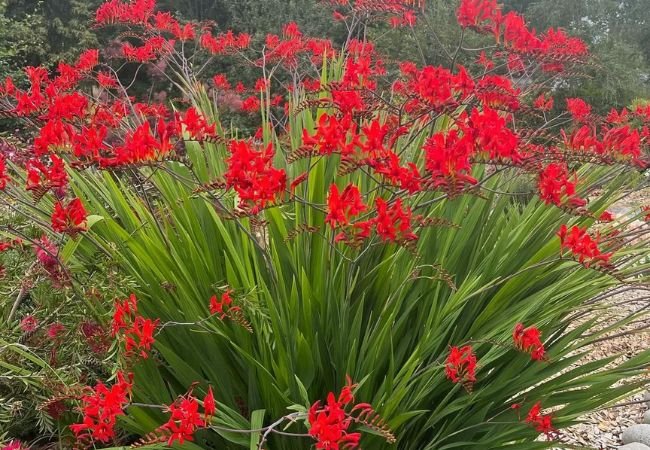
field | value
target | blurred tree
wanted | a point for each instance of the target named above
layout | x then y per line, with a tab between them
37	32
618	32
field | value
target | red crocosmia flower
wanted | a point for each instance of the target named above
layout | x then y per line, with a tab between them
583	246
492	136
69	219
557	187
329	424
389	167
606	216
616	118
541	422
29	324
221	82
251	174
4	178
331	135
183	421
496	91
543	103
107	80
474	13
42	178
125	310
484	61
195	124
343	206
579	109
461	366
447	158
209	406
87	60
139	336
221	306
347	101
251	104
528	340
393	222
100	407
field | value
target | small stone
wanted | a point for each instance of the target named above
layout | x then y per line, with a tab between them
634	446
646	397
637	433
646	417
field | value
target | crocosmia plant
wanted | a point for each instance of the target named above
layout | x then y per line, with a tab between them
344	251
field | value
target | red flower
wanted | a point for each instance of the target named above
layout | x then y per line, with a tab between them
389	167
195	124
184	420
124	312
491	136
209	405
251	174
583	246
606	216
543	103
139	336
221	82
579	109
69	219
474	13
329	424
54	330
107	80
42	178
100	409
447	158
29	324
541	422
331	135
393	223
528	340
221	307
557	187
461	366
341	207
4	178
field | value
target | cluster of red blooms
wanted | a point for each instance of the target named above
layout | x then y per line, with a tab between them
328	424
185	417
510	29
136	331
222	306
541	422
528	340
70	218
460	366
100	409
4	177
583	246
252	175
557	187
393	221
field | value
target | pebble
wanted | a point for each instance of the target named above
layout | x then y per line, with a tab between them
637	433
646	417
646	397
634	446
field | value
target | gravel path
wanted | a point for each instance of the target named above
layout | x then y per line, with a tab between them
603	429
